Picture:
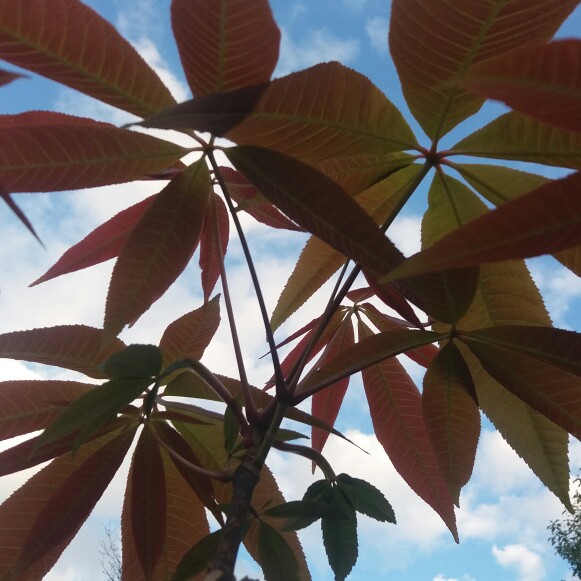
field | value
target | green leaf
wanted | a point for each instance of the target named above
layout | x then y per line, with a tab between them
218	44
277	559
158	248
540	222
452	417
303	513
93	410
518	137
231	430
196	560
340	536
542	81
61	39
464	33
365	498
134	362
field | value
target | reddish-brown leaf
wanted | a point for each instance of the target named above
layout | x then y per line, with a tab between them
148	502
188	336
422	355
27	406
158	248
543	81
75	347
368	352
45	152
17	211
326	404
452	417
8	76
213	243
395	406
318	204
464	32
225	44
186	524
253	202
103	243
44	494
543	221
68	42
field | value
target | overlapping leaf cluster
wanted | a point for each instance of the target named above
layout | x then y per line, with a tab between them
323	151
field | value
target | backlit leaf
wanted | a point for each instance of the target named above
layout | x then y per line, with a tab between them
196	560
43	151
518	137
134	362
188	336
277	559
103	243
148	502
318	204
158	248
7	77
70	43
41	518
452	416
540	222
326	404
216	228
93	410
17	211
543	81
75	347
219	45
464	33
28	406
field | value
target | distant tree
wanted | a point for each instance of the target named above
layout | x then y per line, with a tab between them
566	533
110	553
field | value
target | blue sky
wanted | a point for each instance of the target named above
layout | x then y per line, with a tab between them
504	510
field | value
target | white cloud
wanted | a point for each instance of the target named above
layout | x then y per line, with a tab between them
405	233
315	47
528	564
441	577
376	29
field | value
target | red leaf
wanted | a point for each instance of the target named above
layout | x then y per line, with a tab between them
213	243
542	81
360	294
545	220
396	412
327	403
103	243
158	248
43	494
8	76
27	406
464	32
47	152
188	336
452	416
75	347
68	42
18	212
253	202
219	45
148	502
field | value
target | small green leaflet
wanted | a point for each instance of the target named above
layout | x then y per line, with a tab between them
276	557
365	498
134	362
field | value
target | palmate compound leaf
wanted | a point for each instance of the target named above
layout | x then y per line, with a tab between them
30	405
40	519
543	81
70	43
395	407
506	295
452	416
219	46
540	222
75	347
43	151
93	410
465	32
158	248
318	204
188	336
185	525
103	243
549	383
